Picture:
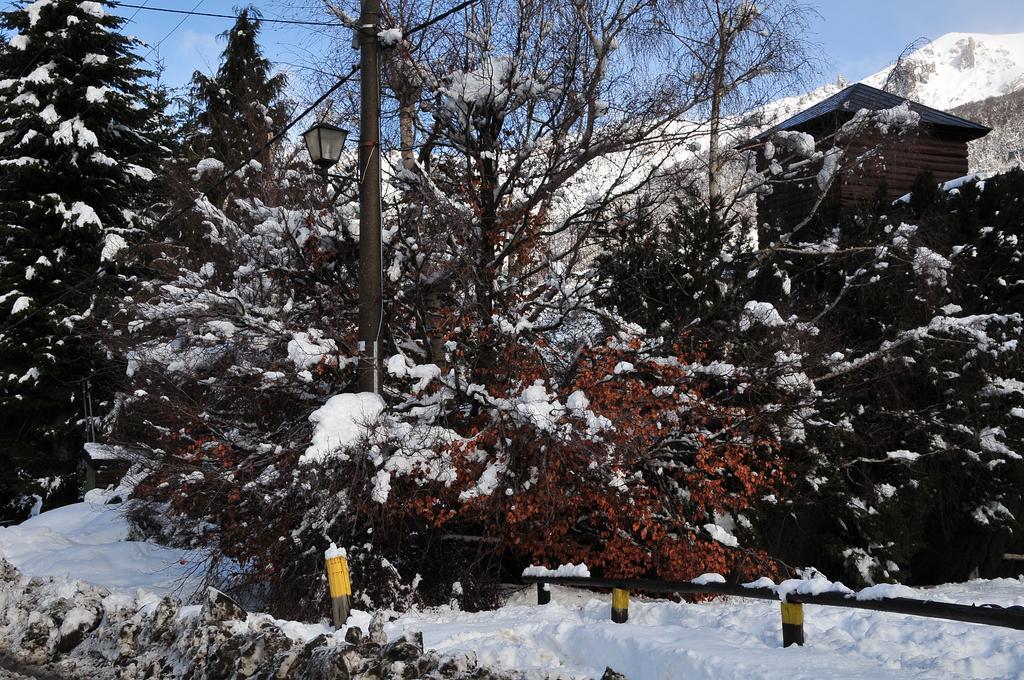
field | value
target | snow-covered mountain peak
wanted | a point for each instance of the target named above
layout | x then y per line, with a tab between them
955	69
958	68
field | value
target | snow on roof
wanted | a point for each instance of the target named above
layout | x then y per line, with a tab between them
860	96
97	451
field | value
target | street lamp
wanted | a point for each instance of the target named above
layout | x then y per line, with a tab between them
324	143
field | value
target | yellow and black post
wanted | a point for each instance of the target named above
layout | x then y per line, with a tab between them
339	584
792	624
543	593
620	605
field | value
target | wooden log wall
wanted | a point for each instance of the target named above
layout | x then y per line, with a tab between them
899	162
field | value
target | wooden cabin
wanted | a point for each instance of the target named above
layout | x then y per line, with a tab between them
938	144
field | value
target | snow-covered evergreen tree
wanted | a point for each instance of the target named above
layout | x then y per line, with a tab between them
241	106
896	339
78	165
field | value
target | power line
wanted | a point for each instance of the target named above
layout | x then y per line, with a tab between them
309	109
293	22
229	16
187	14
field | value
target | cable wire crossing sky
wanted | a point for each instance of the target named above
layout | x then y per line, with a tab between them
856	39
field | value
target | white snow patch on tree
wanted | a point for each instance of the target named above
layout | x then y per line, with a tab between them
401	366
74	131
82	215
207	166
145	174
41	74
390	37
903	454
722	536
931	266
96	95
381	486
306	350
341	423
829	165
34	9
539	407
487	482
759	313
49	115
989	439
21	304
112	245
93	9
800	143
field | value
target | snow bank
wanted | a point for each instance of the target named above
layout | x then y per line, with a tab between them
570	570
572	637
89	541
78	630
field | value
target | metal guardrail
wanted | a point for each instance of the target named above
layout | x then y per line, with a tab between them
792	605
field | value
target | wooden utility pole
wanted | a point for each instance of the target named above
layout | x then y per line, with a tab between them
371	320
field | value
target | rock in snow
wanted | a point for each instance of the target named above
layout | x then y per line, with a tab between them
64	630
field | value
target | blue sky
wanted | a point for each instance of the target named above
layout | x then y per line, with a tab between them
858	37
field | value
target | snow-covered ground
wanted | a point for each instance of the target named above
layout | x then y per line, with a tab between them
573	637
88	541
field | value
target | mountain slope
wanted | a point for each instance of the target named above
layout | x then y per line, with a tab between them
1004	146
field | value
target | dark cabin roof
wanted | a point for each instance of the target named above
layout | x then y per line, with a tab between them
860	96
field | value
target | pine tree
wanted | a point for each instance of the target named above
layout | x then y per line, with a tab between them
665	270
78	166
241	105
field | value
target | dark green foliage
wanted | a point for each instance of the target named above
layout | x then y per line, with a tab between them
891	372
925	194
663	269
937	314
78	166
240	108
